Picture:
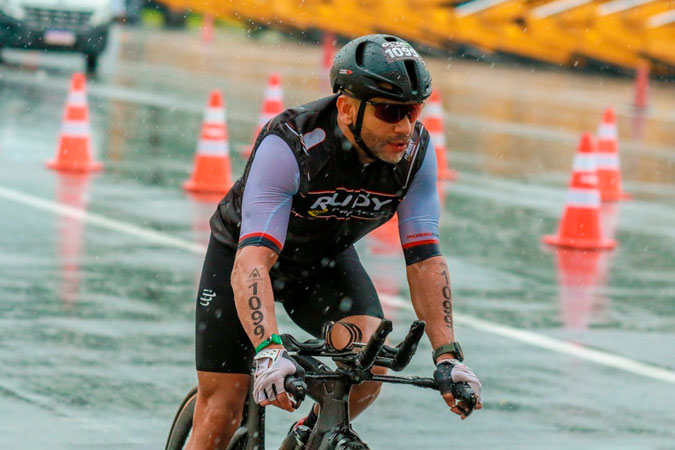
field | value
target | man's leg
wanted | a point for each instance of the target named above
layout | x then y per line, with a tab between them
341	292
361	395
223	355
218	412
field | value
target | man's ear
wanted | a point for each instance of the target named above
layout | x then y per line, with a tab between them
346	110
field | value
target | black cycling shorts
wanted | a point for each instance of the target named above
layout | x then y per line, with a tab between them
337	291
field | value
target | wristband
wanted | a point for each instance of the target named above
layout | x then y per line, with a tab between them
274	339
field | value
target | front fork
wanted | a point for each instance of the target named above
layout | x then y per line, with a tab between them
332	430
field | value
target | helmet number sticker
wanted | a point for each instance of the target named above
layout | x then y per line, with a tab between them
396	51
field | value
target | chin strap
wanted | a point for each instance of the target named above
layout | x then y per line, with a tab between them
356	131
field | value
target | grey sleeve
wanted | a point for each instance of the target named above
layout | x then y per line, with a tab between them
272	182
419	212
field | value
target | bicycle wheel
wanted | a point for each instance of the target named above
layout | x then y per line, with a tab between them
182	422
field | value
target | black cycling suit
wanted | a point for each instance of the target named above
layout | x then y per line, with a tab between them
305	195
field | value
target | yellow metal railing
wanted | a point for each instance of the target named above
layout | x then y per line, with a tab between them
621	33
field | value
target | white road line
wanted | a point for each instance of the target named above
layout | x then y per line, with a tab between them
526	337
549	343
101	221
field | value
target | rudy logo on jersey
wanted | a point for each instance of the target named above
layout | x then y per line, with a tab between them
345	203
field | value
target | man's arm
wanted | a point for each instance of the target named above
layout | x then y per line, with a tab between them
429	279
431	295
272	181
253	293
266	205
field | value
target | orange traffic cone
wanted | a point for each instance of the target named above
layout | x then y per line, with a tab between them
433	120
211	172
327	55
74	151
580	224
609	173
272	105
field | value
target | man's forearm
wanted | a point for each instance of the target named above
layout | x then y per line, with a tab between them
254	299
429	282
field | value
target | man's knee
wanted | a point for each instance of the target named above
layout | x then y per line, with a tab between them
353	329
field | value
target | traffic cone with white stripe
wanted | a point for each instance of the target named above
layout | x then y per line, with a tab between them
433	120
74	151
211	172
609	172
580	224
273	105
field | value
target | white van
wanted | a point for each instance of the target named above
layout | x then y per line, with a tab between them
57	25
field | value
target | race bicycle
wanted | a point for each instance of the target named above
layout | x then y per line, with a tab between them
328	387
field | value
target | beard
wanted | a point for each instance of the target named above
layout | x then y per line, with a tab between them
378	146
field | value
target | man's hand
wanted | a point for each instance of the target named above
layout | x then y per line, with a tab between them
272	366
450	372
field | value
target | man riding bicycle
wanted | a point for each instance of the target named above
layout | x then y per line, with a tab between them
320	177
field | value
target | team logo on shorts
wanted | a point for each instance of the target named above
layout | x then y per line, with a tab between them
206	297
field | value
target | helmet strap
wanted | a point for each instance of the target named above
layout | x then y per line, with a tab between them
356	131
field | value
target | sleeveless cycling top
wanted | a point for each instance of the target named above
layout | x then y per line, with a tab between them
325	199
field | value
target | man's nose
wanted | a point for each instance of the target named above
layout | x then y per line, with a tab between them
403	126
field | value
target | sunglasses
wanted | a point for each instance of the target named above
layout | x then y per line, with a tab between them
394	112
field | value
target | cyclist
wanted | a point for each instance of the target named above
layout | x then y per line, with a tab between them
320	177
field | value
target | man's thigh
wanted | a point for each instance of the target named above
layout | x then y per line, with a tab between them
342	289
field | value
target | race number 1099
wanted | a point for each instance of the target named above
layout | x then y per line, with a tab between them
395	51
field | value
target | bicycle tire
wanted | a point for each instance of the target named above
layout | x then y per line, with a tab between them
182	422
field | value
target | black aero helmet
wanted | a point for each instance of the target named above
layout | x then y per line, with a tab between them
381	65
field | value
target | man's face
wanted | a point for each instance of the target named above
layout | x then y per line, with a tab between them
388	141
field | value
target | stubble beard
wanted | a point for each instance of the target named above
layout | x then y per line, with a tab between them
378	147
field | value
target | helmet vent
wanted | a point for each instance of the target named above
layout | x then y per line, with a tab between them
410	67
391	39
359	54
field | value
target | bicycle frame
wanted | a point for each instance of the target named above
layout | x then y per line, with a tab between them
333	424
329	388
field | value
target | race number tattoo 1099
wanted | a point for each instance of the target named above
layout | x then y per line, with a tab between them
447	300
255	304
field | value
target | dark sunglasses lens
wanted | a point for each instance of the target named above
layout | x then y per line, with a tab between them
415	111
395	113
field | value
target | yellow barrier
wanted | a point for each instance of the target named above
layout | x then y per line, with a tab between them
621	33
661	38
618	34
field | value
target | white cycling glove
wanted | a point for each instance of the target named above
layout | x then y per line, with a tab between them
272	366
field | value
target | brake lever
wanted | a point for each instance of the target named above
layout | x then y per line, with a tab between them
297	388
367	356
465	395
408	346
